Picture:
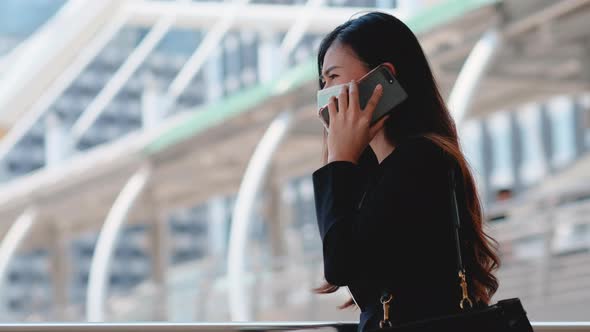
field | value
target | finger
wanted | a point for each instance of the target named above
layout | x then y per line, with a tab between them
343	99
332	109
375	128
372	103
353	96
321	117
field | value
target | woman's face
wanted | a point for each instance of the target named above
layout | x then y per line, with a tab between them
341	65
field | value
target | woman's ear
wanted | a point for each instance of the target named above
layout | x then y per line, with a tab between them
390	66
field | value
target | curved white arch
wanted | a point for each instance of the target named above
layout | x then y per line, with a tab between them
242	215
472	72
99	269
13	238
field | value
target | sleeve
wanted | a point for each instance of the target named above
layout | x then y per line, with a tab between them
391	235
338	189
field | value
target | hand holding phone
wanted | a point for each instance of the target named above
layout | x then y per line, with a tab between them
393	94
350	126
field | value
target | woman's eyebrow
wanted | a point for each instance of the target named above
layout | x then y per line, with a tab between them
330	69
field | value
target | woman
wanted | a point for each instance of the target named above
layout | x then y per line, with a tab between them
383	196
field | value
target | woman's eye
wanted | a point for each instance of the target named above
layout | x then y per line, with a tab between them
333	76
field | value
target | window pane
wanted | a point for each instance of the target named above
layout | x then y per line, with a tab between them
561	113
471	144
585	104
501	173
533	165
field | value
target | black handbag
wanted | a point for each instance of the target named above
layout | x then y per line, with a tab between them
505	315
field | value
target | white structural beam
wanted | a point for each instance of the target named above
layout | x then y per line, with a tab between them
12	240
255	176
81	169
56	140
280	18
542	17
116	83
250	187
211	41
300	25
58	41
160	239
63	81
472	73
107	239
520	26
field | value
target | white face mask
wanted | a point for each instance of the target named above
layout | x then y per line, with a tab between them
323	96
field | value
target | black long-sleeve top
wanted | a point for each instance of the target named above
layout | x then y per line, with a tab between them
389	225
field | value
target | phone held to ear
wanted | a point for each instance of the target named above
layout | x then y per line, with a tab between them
393	94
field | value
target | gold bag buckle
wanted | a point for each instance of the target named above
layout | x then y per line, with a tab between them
385	322
465	298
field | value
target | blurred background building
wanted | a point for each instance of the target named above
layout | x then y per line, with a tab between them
156	155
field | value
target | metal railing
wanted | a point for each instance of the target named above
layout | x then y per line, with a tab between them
545	246
255	326
553	283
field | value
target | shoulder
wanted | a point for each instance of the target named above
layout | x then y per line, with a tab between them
417	163
422	143
419	152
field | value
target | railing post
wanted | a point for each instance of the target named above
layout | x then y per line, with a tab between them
57	140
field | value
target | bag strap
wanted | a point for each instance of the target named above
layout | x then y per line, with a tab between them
465	302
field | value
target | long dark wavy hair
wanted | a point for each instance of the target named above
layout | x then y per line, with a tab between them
376	38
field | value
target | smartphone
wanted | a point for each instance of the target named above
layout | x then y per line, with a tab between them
393	93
